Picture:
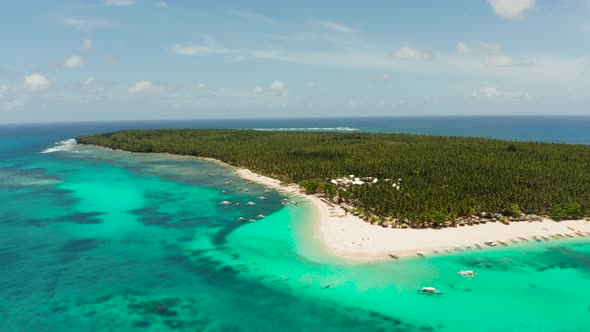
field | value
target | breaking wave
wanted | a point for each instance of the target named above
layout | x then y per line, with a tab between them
66	145
309	129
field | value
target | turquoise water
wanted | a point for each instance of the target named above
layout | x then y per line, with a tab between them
92	240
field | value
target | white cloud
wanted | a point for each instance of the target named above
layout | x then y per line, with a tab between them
75	61
197	50
511	8
161	4
119	3
258	89
37	82
409	53
87	44
277	85
477	47
335	26
142	87
86	24
499	60
89	81
493	92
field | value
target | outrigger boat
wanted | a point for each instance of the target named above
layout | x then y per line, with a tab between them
394	256
429	291
467	273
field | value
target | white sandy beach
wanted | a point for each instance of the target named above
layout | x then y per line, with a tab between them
348	236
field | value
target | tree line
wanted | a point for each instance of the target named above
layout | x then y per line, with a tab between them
442	177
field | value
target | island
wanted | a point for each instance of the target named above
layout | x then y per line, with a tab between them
377	193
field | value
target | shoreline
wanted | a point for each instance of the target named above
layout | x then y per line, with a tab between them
348	236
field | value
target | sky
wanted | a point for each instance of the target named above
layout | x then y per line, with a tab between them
102	60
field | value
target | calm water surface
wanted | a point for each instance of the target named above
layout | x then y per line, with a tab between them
101	240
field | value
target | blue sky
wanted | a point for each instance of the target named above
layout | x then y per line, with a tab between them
146	59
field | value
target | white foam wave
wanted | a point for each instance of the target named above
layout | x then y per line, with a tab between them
66	145
309	129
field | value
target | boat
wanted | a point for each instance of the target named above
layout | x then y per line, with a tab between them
467	273
457	248
225	203
477	245
503	243
224	192
490	243
394	256
238	203
419	253
435	251
523	238
545	237
536	238
242	219
251	220
251	204
260	216
262	198
569	235
580	234
429	291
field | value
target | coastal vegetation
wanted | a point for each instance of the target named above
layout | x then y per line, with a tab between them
415	180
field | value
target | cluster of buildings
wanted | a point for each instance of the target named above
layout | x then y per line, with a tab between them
351	180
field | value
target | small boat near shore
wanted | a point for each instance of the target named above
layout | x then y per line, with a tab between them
523	238
394	256
429	291
251	204
467	273
477	245
419	253
225	203
503	243
490	243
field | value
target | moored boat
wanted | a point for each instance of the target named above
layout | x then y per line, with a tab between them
467	273
429	291
225	203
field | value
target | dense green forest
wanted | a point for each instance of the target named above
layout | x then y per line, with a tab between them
442	178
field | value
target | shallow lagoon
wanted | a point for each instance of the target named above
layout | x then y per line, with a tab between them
101	240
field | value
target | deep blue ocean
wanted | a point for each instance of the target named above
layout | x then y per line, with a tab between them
100	240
